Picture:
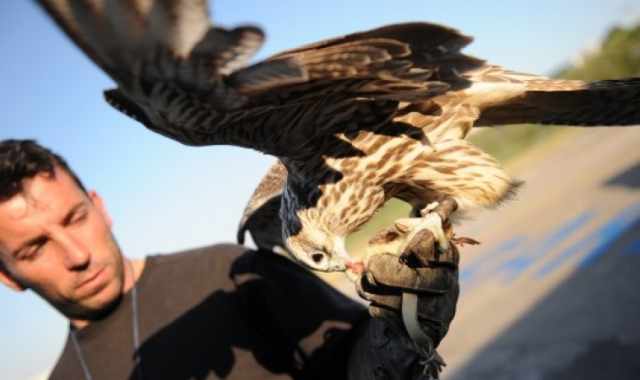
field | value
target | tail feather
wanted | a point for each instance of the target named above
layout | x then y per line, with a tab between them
600	103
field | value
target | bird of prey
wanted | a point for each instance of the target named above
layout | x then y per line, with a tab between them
355	120
261	220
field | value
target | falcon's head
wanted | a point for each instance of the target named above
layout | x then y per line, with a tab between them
316	247
312	242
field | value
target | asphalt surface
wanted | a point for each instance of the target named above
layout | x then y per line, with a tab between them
553	291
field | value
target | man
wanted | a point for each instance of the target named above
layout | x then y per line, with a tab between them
215	312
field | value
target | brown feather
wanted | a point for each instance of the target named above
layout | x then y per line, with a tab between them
355	119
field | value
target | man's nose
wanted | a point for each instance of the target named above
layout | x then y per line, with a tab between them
75	254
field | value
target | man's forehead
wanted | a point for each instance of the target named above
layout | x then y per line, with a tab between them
38	194
42	196
13	214
15	208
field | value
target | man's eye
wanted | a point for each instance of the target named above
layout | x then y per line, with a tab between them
32	252
79	217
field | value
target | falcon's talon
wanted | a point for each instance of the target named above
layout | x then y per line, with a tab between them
463	240
432	222
429	208
404	258
443	246
401	227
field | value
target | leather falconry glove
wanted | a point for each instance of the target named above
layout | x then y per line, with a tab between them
432	276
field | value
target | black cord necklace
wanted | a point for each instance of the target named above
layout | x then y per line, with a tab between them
136	335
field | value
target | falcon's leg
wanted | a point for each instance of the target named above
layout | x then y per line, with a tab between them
429	220
432	221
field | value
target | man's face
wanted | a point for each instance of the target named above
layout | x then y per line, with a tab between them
56	240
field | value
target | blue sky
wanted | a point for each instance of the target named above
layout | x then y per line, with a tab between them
164	196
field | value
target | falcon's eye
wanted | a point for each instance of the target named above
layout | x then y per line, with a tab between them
318	257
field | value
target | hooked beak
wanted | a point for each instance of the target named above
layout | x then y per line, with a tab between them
342	260
338	264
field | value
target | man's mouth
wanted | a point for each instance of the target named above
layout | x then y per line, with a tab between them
93	283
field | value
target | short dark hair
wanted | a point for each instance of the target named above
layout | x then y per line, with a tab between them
24	159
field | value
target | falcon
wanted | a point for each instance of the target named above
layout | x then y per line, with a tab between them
354	120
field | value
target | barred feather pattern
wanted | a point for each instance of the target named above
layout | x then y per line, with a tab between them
355	120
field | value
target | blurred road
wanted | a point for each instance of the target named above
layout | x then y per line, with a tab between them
554	290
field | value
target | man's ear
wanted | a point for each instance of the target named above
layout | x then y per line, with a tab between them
97	201
8	279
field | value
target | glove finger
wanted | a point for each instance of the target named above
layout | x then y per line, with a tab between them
422	247
435	313
421	250
449	258
372	292
377	310
385	270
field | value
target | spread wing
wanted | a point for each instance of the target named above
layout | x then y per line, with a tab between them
184	78
261	216
169	41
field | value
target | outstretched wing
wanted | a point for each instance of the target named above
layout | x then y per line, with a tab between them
169	41
183	78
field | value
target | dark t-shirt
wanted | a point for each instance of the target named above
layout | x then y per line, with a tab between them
221	312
